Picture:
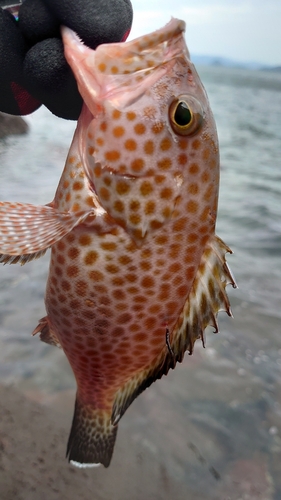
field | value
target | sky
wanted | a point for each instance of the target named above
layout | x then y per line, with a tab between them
241	30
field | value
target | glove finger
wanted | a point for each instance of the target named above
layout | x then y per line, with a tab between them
37	22
14	98
95	21
49	78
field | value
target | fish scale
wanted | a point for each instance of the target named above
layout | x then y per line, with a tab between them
136	271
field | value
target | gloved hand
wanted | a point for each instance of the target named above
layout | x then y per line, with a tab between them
33	70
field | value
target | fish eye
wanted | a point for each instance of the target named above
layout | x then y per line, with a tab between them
185	115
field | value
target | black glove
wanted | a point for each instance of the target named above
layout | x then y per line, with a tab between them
33	70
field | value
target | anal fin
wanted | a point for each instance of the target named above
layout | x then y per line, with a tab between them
206	298
28	230
92	436
46	333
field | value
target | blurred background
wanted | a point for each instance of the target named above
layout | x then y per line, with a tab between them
211	429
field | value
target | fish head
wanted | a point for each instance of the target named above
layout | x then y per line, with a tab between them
151	143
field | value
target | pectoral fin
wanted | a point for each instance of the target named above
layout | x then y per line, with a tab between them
46	332
27	231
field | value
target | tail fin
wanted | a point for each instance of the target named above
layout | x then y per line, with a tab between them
92	437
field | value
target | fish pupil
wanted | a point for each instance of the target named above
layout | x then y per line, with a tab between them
183	115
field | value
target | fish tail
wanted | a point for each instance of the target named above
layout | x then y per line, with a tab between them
92	436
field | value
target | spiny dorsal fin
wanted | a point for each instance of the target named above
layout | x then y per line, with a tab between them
207	297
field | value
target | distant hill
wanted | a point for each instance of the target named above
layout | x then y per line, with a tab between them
229	63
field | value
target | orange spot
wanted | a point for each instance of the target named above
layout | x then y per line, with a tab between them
70	238
205	177
107	181
137	165
66	184
182	144
193	189
181	291
145	265
182	159
90	258
166	193
90	201
189	273
159	179
140	128
76	207
103	126
102	67
124	259
206	154
165	144
118	206
161	240
116	114
61	246
209	193
119	294
147	282
146	188
109	245
81	288
118	131
149	207
73	253
96	275
114	70
180	224
155	224
157	127
77	185
72	271
118	281
67	196
100	141
149	147
205	214
124	318
122	187
196	144
112	269
192	238
193	169
71	159
90	135
166	212
60	259
192	206
113	155
164	164
104	193
97	170
130	145
91	150
85	240
131	115
134	205
131	277
205	239
135	219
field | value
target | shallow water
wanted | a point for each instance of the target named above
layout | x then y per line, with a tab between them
216	419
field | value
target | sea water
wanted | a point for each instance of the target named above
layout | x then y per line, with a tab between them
221	409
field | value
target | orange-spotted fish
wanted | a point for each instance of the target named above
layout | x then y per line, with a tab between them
136	270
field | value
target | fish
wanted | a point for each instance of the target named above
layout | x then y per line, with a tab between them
136	270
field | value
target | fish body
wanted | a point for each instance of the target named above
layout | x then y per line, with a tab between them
136	270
